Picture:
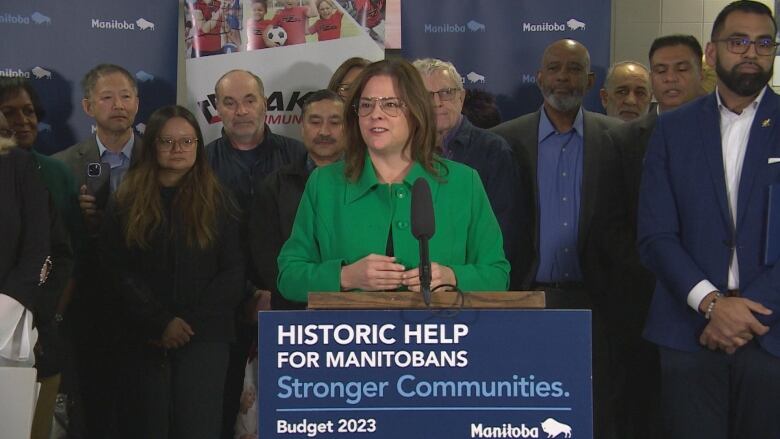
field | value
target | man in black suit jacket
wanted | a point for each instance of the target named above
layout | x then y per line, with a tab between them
566	164
676	74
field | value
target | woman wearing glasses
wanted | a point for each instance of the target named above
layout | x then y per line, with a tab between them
171	239
353	227
346	74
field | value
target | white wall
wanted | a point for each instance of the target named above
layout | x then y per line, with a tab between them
636	23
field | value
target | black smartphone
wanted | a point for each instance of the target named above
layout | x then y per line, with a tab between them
99	182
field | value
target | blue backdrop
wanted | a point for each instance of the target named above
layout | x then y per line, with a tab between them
497	45
54	43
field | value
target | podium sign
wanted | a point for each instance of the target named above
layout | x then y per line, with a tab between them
425	374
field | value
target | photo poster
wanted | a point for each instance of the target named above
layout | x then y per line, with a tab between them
497	46
294	46
54	44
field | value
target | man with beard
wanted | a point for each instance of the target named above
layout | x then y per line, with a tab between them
626	92
276	198
701	231
566	162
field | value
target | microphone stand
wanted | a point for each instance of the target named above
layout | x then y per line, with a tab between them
425	271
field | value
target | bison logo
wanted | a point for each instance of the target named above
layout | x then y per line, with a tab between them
475	26
39	18
575	24
475	77
144	24
41	73
554	428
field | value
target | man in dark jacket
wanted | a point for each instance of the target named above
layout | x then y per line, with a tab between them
276	199
484	151
247	152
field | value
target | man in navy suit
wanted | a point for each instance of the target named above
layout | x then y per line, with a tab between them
701	231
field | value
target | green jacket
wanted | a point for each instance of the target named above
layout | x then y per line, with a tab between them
340	222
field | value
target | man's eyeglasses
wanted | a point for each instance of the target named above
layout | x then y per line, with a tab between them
185	143
390	106
740	45
445	94
7	133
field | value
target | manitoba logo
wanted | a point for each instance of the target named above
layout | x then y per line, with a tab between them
555	429
36	72
143	76
35	17
140	24
475	78
448	28
40	73
571	24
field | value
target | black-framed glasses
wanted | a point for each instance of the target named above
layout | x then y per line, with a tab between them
739	45
445	94
390	106
185	143
7	133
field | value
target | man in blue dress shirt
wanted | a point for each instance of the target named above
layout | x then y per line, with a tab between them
566	162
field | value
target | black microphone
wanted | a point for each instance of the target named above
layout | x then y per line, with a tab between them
423	228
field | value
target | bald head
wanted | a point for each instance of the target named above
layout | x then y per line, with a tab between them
572	47
627	90
564	75
241	106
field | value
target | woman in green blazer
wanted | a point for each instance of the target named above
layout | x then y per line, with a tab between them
353	227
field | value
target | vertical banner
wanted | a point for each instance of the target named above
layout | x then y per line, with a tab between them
294	46
497	46
54	43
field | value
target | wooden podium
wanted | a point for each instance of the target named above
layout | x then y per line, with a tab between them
439	299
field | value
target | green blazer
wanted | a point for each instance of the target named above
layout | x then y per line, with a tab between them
340	222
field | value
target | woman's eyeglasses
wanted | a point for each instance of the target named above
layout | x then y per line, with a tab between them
390	106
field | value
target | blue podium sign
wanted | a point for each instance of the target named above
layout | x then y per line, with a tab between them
422	374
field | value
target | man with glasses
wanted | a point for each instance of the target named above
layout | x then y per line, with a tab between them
462	142
566	165
702	232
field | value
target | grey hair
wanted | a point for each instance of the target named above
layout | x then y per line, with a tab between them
426	66
611	71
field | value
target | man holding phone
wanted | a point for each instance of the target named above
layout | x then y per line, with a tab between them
99	164
111	98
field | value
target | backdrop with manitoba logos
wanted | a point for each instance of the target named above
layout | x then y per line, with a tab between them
53	44
497	45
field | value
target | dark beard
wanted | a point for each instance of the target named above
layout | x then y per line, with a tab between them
743	84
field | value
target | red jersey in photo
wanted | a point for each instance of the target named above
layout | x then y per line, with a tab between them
208	41
372	10
254	33
293	21
328	28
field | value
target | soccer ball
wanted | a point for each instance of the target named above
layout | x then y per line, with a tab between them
276	35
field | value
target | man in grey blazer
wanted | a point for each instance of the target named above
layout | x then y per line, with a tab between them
566	164
111	98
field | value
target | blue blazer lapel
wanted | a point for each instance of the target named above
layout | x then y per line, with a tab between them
709	124
764	126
